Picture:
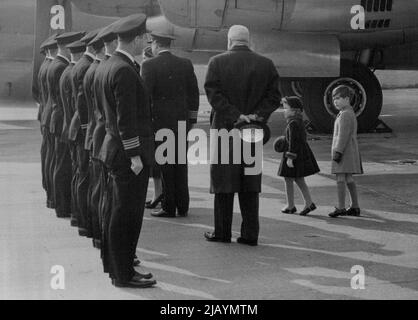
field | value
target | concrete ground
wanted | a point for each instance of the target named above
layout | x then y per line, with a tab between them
297	258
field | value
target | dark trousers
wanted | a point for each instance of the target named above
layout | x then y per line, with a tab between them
74	180
62	179
176	186
224	206
125	221
49	167
83	160
94	198
43	157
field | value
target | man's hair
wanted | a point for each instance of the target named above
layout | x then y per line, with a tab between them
239	34
344	91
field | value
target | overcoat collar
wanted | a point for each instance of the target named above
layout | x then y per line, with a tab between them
240	48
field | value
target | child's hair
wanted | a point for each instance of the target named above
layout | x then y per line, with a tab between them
294	103
344	92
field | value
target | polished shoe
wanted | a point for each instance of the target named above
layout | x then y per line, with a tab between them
74	222
289	211
163	214
153	204
353	212
305	211
210	236
84	232
137	281
97	244
338	213
63	215
242	240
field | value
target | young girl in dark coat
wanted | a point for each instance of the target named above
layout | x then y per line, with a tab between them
298	160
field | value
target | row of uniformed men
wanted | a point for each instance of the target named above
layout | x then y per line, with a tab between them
96	114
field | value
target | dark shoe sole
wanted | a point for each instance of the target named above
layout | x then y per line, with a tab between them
290	211
247	242
213	239
148	284
306	211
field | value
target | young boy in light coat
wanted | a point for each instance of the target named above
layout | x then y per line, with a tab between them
346	159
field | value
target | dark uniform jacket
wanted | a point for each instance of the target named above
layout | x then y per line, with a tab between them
128	115
67	100
90	101
55	71
239	81
100	128
173	87
80	117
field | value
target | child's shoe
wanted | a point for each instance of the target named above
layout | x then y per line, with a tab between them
338	212
354	212
289	211
305	211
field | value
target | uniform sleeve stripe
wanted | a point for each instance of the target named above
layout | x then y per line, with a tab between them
131	140
84	126
131	147
131	143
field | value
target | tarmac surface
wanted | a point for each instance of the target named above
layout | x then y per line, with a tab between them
297	257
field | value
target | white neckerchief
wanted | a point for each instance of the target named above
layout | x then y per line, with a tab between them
127	54
64	57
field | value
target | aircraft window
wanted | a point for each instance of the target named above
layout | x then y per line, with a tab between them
387	23
374	24
389	5
382	5
367	24
380	24
376	5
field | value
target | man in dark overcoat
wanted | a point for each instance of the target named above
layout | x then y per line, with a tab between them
172	84
241	86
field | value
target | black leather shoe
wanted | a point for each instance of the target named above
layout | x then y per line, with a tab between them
210	236
338	213
247	242
74	222
163	214
183	214
289	211
153	204
97	244
353	212
305	211
136	282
